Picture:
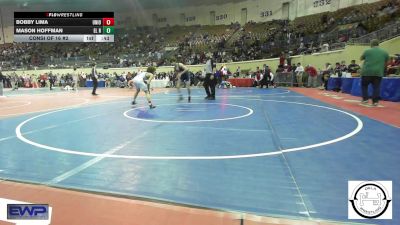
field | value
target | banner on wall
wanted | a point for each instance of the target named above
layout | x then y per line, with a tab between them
221	17
319	6
2	41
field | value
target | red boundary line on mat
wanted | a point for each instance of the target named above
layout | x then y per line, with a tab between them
388	114
80	208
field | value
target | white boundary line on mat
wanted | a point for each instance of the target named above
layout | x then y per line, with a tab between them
218	157
167	92
189	121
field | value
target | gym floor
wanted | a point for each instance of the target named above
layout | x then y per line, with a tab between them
280	153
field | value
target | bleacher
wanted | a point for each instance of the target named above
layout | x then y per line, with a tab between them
147	45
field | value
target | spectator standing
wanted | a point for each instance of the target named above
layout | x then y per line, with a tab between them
94	79
312	76
8	81
82	79
282	59
326	74
289	59
375	60
238	71
299	74
257	77
75	78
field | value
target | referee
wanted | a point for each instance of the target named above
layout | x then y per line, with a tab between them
52	80
210	82
94	79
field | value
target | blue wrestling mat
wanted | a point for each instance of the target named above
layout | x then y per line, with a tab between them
269	152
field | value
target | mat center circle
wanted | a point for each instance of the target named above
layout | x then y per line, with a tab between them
188	112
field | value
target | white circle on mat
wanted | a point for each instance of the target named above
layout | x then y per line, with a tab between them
250	111
233	95
357	129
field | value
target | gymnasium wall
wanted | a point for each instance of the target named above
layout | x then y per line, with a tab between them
1	30
7	22
318	60
257	10
349	53
308	7
227	13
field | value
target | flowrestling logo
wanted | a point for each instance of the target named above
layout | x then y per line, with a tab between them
370	200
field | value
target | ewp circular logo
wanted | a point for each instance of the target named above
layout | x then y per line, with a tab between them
370	199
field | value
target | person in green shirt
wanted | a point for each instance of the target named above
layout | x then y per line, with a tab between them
372	71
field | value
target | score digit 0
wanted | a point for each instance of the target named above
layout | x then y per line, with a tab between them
108	30
108	21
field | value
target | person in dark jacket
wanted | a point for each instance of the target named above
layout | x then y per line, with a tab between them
52	79
265	76
94	79
209	81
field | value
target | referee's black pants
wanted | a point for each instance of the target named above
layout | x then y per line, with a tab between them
209	85
95	83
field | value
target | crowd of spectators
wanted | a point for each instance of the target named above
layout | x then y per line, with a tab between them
121	79
299	75
15	81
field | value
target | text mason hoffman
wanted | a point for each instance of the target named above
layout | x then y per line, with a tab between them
38	30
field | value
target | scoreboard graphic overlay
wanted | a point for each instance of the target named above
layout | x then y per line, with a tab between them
63	26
